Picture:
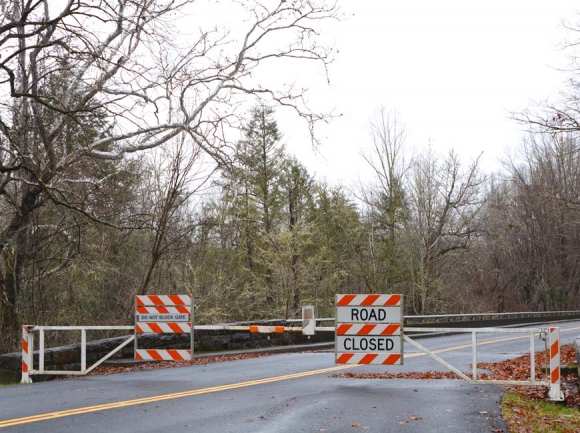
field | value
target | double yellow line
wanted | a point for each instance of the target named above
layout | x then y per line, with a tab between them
157	398
153	399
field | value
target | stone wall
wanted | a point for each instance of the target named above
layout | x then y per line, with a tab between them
67	358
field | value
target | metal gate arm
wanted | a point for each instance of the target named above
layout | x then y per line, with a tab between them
438	359
100	361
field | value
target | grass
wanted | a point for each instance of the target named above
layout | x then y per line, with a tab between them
524	415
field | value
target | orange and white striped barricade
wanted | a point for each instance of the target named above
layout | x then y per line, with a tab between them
27	354
163	314
369	329
368	358
554	343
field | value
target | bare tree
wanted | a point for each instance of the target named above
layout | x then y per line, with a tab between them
177	176
445	202
386	201
560	114
90	83
535	257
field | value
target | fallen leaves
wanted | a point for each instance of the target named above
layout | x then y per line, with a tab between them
520	368
112	369
411	375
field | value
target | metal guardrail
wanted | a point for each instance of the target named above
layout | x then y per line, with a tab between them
437	318
487	316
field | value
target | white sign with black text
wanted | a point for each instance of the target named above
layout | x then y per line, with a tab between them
163	318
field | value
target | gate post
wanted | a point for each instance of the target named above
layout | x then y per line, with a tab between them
27	354
308	321
554	342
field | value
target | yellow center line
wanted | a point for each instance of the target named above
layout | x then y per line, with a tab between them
152	399
157	398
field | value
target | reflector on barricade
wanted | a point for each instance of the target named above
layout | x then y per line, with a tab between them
267	329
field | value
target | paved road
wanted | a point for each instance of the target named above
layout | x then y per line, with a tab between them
281	393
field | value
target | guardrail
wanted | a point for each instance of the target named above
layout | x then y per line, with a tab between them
449	318
487	316
459	317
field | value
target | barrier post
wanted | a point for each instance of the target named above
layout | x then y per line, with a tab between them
27	358
308	320
554	342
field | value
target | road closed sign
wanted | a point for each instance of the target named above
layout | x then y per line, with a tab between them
368	329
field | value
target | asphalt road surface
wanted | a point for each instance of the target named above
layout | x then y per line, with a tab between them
291	392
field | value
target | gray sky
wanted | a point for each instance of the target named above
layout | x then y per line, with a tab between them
452	69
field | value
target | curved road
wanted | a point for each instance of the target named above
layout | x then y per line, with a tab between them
279	393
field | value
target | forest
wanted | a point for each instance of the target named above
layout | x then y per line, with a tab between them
123	177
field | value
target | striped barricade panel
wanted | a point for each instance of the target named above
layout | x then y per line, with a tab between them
25	349
162	355
164	310
27	358
554	341
162	327
162	300
369	300
368	329
368	358
554	356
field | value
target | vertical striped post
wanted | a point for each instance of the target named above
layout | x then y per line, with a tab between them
554	342
27	359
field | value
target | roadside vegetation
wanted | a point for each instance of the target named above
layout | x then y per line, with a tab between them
525	415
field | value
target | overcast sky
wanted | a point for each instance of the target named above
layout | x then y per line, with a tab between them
452	69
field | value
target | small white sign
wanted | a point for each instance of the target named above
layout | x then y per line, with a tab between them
368	315
163	318
368	344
